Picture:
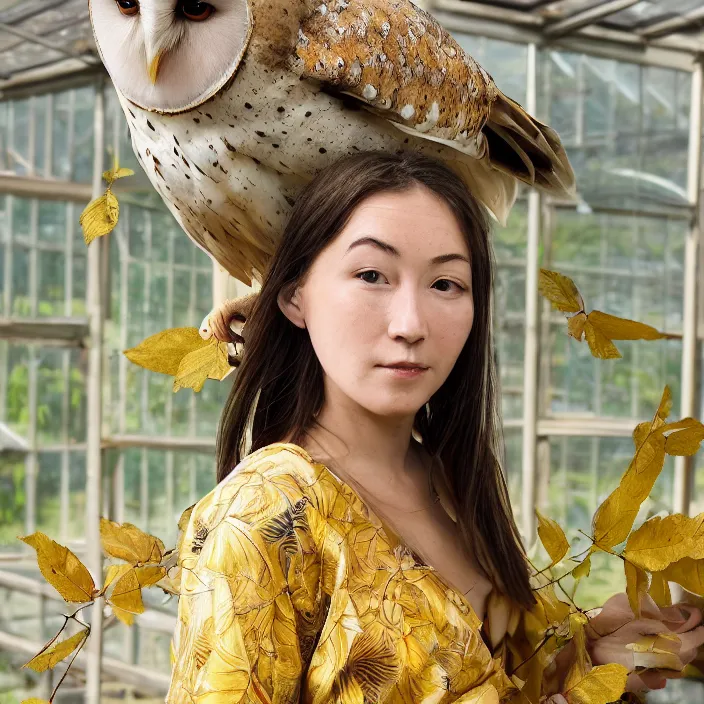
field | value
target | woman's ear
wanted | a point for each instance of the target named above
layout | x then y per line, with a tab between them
291	304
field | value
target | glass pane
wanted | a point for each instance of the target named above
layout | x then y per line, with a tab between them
630	267
160	520
21	218
12	500
49	493
22	164
83	135
17	404
51	296
77	400
21	299
52	222
51	391
60	136
40	107
625	128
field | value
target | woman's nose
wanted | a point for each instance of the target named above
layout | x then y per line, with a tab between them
406	315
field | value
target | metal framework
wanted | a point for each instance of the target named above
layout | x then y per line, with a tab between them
655	36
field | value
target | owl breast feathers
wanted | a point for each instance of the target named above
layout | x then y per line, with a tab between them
231	115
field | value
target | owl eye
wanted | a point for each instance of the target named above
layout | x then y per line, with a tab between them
196	11
128	7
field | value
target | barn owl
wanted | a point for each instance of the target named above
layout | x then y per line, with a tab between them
234	105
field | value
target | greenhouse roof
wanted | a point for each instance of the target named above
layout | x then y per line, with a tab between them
40	39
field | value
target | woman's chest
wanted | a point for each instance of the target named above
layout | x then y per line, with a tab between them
396	630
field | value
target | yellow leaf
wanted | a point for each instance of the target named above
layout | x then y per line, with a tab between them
34	700
688	573
686	437
556	611
575	325
114	174
583	568
127	542
552	537
657	651
582	662
660	590
56	653
126	596
62	569
164	351
206	363
115	572
601	685
661	541
100	216
599	344
636	585
623	329
614	519
560	291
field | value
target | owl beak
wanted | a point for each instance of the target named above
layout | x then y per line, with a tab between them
153	68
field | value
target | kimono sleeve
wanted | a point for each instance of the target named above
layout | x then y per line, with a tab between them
236	637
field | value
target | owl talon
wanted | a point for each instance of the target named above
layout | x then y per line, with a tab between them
227	321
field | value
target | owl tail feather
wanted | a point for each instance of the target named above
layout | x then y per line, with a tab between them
527	149
493	188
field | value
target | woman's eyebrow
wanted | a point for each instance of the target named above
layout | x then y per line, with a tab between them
390	249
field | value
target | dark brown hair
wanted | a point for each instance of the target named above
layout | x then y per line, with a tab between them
278	387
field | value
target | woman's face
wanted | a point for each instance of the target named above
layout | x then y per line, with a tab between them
367	305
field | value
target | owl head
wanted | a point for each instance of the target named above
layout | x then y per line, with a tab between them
169	56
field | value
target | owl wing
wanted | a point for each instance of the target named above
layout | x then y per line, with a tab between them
402	64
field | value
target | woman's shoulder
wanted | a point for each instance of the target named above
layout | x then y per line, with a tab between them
274	480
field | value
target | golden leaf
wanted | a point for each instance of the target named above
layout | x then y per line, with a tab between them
661	541
56	653
686	437
636	585
657	651
582	662
552	537
583	568
127	542
560	291
614	519
556	611
599	344
100	216
575	325
164	351
622	328
601	685
114	174
688	573
660	590
206	363
114	572
126	597
62	569
34	700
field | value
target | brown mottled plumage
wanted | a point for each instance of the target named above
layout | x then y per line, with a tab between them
307	84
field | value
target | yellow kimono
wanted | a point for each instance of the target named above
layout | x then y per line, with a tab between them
292	591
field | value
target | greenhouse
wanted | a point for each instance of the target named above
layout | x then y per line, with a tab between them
85	433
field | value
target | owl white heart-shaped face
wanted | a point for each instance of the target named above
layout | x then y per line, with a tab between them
171	55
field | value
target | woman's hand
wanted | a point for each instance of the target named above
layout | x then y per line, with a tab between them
663	639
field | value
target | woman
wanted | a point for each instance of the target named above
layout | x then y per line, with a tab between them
354	554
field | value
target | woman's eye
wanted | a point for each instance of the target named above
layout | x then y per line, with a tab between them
373	271
196	11
128	7
362	273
